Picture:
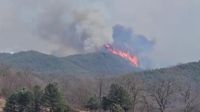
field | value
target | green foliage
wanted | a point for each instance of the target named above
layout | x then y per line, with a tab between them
106	103
12	104
116	108
53	100
93	103
117	96
37	97
37	100
19	102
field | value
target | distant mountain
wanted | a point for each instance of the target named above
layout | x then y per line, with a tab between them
85	64
189	72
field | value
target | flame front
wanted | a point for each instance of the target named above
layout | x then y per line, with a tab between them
132	58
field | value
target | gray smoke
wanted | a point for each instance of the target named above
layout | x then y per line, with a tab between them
75	30
64	27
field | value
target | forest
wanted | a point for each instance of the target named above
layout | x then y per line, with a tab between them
174	89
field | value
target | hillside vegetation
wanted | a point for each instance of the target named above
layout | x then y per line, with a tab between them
173	89
85	64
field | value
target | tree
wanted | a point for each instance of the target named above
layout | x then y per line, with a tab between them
117	96
19	102
146	106
190	99
116	108
53	100
37	98
134	87
162	94
93	103
11	104
106	104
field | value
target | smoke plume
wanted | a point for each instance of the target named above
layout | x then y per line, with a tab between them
126	39
80	29
65	27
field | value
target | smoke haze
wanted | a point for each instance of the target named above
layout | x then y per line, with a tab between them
66	27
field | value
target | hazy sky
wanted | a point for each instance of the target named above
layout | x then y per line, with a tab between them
173	24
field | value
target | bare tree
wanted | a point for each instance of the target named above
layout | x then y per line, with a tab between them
162	94
146	105
190	99
134	87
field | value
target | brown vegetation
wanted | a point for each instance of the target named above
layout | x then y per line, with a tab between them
158	95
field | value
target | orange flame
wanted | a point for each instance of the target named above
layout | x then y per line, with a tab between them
132	58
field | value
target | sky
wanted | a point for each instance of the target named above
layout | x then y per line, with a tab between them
65	27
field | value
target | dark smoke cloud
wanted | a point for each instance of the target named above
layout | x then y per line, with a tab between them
126	39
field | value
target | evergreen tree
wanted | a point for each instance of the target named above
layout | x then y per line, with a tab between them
53	100
106	104
117	96
12	104
37	97
93	103
19	102
116	108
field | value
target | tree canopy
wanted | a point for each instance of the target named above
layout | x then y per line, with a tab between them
37	100
116	99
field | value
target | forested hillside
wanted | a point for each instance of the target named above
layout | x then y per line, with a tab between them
173	89
85	64
183	72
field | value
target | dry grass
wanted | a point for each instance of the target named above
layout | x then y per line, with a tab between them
2	104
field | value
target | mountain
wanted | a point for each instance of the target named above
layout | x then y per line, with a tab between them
189	72
99	63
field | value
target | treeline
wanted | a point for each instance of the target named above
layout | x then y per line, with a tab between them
51	100
38	100
129	93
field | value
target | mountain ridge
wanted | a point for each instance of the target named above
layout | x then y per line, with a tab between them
88	64
188	72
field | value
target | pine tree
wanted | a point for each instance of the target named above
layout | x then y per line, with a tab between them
12	104
93	103
19	102
106	103
37	98
117	96
53	100
116	108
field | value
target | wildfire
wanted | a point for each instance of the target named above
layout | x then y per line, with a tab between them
132	58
